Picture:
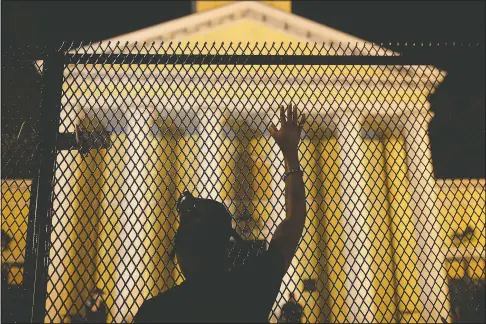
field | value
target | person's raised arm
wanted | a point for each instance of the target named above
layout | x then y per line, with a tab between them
289	232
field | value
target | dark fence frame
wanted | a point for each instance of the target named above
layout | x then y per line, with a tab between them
40	213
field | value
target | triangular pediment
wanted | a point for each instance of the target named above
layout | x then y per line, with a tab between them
254	28
247	22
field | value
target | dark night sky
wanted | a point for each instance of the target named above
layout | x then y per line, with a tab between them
29	22
38	21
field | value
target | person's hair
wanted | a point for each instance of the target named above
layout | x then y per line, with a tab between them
98	291
204	230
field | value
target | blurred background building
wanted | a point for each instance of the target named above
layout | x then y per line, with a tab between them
99	201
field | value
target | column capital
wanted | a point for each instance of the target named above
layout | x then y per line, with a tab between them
166	126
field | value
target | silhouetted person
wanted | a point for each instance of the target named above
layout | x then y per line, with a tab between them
467	300
73	318
6	239
462	303
95	307
292	311
10	301
212	293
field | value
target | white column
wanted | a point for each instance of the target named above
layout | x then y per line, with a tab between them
61	252
277	215
430	265
209	155
69	182
358	283
133	216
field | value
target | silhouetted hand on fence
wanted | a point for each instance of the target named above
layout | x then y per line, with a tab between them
289	232
288	136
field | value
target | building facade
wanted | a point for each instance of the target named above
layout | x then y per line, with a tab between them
377	239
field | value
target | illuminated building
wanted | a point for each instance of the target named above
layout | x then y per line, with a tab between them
388	193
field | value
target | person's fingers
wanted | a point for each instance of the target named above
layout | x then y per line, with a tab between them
76	133
272	128
302	120
294	117
283	120
289	113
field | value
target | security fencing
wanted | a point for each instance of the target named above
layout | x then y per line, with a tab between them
89	184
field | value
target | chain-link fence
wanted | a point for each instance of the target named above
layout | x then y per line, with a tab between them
22	90
384	241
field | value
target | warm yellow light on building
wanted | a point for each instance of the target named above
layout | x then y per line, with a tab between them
371	198
200	6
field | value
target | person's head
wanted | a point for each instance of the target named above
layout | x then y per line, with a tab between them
97	292
203	237
5	240
94	300
291	296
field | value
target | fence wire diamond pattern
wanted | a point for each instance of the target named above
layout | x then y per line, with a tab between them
158	119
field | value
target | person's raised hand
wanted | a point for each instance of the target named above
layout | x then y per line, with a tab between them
288	136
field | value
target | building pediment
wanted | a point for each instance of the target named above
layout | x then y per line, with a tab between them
247	27
246	22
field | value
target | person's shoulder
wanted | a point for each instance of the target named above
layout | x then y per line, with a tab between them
153	308
263	270
270	259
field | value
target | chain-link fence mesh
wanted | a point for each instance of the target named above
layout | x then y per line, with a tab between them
384	241
21	96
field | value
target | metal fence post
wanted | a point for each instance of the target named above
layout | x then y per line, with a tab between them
39	223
